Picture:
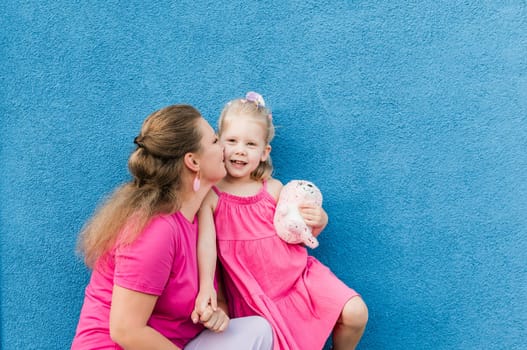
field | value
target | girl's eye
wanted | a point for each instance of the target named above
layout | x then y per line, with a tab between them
216	140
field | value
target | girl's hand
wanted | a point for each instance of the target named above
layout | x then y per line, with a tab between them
215	320
206	299
314	216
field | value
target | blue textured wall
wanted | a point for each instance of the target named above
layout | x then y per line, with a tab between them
410	116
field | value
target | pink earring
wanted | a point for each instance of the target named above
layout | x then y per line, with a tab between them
197	183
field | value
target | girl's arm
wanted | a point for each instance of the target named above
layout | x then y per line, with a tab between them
217	321
207	256
315	217
129	313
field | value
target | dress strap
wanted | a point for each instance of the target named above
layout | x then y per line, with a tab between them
217	190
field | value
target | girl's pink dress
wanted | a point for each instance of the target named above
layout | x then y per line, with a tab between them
264	275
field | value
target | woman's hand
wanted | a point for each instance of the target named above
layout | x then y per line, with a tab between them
314	216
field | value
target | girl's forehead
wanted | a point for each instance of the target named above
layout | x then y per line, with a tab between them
243	122
246	128
243	119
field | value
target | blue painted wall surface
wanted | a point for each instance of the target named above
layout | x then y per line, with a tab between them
410	116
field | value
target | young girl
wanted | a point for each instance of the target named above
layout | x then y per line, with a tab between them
301	298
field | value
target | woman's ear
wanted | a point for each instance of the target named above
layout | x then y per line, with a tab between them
265	153
191	161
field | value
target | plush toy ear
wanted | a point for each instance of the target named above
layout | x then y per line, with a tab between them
312	242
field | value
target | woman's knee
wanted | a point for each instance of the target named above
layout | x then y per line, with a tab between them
259	324
355	313
258	331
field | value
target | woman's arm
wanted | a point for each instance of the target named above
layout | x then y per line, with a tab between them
129	314
207	257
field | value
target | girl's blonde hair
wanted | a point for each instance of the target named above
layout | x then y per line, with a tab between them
252	106
156	166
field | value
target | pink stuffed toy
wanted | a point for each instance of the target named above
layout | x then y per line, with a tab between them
289	224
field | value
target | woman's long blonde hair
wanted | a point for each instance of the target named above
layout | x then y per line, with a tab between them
156	166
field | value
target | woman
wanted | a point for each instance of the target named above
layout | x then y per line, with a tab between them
141	245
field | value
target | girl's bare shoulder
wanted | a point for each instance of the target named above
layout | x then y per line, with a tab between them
274	186
210	201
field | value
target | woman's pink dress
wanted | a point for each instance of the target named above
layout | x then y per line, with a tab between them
264	275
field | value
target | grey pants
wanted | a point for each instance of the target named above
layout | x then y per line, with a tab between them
244	333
